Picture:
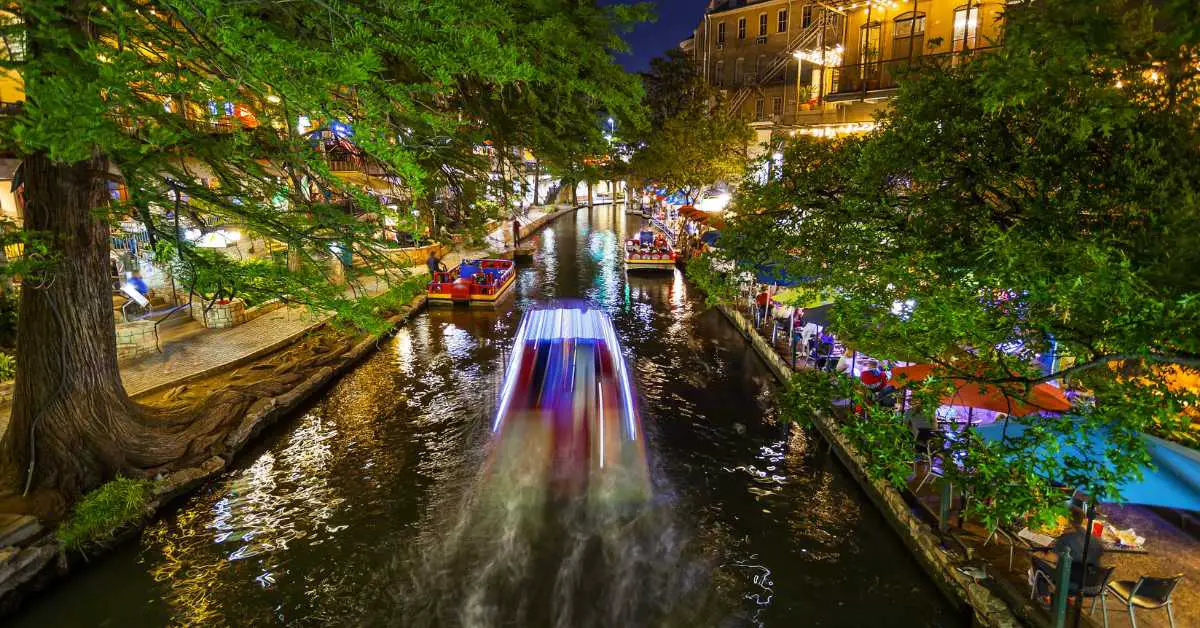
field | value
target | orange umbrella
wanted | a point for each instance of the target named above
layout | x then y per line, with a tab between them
1011	398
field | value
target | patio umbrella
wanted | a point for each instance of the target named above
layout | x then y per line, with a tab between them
1173	480
710	238
1011	399
818	316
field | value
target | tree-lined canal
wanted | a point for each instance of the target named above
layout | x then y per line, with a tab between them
365	510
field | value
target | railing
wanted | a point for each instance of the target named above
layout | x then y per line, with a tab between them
356	163
882	75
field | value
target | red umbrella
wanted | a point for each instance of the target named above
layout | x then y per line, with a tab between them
1010	398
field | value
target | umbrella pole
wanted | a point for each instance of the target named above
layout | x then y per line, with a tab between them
1087	542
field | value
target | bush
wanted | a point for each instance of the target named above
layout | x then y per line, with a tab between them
104	511
8	367
8	320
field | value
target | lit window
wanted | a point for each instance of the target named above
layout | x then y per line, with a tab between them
909	33
966	27
741	28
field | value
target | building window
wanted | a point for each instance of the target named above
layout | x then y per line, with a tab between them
777	106
868	43
966	27
741	28
909	33
721	33
758	109
762	24
806	15
719	79
781	25
737	72
13	39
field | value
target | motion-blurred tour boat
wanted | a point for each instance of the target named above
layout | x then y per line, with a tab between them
474	282
649	251
567	418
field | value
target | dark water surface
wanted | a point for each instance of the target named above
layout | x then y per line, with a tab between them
368	509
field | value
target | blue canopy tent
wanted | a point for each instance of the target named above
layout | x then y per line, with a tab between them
1173	482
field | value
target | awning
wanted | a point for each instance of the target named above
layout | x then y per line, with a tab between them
1173	480
1011	399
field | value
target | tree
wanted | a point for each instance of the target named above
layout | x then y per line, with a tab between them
208	101
1018	203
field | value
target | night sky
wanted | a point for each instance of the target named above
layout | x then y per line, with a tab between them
676	19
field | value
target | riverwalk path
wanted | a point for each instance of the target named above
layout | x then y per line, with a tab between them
190	350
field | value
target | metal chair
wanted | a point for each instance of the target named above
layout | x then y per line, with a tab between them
1147	593
931	452
1095	585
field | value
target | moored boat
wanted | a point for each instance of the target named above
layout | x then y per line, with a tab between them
649	251
474	282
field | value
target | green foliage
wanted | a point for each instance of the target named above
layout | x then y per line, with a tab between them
1041	193
370	313
423	84
718	285
8	367
694	141
104	511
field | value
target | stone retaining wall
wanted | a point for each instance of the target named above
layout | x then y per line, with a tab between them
219	315
989	609
136	339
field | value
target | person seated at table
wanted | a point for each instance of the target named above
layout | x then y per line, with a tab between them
1073	539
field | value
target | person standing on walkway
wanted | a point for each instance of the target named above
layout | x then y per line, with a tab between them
434	263
516	233
761	301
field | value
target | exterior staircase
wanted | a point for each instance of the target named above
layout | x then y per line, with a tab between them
806	38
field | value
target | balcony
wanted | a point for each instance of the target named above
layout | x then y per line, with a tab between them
880	79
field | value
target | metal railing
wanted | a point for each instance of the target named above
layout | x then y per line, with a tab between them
875	76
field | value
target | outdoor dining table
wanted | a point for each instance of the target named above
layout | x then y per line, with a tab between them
1037	542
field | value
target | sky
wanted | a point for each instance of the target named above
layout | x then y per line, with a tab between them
676	19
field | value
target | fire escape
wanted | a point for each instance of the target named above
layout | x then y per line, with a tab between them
825	30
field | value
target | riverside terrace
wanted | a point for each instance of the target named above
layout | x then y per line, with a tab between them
1171	543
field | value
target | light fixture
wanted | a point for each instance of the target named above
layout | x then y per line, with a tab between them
272	98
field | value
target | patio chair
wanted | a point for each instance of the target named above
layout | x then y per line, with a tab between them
1147	593
932	452
1095	585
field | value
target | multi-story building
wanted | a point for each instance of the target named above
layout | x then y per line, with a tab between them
825	68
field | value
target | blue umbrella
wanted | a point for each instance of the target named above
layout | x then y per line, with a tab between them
710	238
770	273
1174	482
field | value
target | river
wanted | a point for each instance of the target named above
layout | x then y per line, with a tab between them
365	509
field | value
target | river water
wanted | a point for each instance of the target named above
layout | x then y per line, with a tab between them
371	508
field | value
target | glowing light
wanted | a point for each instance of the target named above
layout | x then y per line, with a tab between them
714	203
510	377
273	99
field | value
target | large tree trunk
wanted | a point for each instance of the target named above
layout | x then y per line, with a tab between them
72	422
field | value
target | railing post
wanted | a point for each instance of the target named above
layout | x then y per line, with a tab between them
1062	589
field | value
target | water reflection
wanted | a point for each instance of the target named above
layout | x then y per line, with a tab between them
352	513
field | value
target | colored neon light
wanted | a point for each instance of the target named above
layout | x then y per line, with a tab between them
510	378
